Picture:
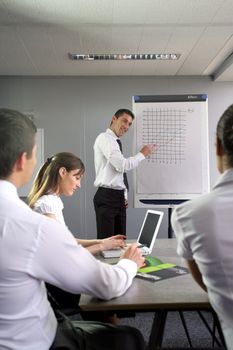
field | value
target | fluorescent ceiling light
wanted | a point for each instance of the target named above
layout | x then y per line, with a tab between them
125	56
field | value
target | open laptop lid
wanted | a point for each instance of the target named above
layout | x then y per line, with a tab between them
150	229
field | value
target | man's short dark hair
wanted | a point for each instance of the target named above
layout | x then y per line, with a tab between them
17	135
123	111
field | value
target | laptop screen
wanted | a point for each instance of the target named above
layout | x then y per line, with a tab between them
150	228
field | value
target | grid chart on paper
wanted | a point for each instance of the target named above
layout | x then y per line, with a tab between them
167	129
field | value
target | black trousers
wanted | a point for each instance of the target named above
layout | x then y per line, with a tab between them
96	336
110	212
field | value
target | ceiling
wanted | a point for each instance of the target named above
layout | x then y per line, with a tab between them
37	35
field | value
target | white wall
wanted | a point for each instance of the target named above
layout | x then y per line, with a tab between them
74	110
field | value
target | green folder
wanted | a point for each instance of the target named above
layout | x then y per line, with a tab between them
156	270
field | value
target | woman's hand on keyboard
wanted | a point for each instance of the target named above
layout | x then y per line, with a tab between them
113	242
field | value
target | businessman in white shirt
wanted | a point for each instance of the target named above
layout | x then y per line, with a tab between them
34	249
111	199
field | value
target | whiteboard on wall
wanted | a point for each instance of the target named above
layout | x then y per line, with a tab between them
178	168
24	191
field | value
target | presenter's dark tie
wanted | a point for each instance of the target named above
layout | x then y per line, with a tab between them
124	174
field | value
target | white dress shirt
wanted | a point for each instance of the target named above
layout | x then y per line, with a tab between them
50	204
204	229
110	163
33	249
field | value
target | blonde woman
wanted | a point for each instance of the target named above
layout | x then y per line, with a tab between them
61	175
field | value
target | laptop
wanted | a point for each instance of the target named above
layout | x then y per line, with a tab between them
147	235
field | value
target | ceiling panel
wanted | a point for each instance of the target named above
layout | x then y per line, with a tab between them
94	39
38	46
225	13
155	39
161	12
65	40
129	12
91	68
206	49
121	68
62	12
85	12
219	59
126	39
154	68
16	58
199	11
37	35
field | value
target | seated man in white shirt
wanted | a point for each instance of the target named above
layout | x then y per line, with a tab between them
204	232
34	249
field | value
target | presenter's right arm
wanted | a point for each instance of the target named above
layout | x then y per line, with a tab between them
111	152
60	261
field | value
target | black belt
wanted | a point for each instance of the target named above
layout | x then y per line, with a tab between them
108	189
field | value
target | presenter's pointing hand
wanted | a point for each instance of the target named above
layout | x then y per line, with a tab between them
147	149
134	253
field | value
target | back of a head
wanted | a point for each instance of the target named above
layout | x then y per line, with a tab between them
225	133
17	135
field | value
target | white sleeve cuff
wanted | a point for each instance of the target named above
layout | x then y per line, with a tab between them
140	156
130	265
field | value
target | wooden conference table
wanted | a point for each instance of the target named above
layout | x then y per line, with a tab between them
173	294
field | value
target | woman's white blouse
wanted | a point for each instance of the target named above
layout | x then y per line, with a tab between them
50	204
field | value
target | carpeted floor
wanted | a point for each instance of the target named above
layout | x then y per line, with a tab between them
174	335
